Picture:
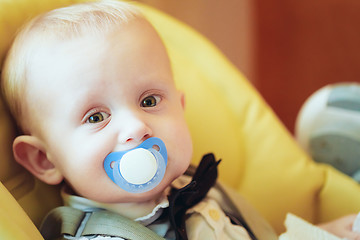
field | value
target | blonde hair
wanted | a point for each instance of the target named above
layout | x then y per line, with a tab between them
64	23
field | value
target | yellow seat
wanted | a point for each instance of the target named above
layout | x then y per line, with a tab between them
225	115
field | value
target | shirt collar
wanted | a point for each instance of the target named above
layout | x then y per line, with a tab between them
144	212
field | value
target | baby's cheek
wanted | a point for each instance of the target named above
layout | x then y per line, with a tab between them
98	152
181	161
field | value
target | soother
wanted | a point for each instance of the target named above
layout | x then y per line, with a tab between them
139	169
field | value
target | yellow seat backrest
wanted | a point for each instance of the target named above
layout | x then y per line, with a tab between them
225	115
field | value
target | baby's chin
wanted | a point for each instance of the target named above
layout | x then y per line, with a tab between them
122	196
126	197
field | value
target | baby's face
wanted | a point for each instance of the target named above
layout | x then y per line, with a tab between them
95	95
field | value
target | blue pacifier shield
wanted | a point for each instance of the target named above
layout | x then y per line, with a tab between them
139	169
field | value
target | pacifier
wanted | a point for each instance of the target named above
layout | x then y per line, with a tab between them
139	169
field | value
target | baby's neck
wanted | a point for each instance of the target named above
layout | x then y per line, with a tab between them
141	211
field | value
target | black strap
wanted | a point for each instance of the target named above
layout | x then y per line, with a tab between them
182	199
239	220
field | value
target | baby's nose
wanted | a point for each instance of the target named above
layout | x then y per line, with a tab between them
136	130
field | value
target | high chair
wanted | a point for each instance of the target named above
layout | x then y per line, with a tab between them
226	116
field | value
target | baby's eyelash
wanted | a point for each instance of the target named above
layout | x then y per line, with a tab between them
96	115
150	101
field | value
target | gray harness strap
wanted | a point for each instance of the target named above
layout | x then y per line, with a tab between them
76	223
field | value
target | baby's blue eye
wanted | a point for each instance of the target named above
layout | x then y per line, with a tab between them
97	117
150	101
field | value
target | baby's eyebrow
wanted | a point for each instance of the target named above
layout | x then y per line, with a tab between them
83	102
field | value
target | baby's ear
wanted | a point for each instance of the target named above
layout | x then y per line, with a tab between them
31	154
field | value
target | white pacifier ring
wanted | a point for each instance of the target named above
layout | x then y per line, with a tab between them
139	169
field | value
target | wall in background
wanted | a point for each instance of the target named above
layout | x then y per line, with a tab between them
227	23
302	46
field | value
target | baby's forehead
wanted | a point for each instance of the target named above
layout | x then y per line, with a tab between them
54	47
89	51
55	37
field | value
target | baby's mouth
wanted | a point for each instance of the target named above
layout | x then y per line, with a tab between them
139	169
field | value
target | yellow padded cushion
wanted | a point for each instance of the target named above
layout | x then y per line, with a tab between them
14	223
225	115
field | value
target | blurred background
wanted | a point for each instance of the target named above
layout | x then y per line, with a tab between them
288	49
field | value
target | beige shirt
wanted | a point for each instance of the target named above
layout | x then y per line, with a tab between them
208	221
